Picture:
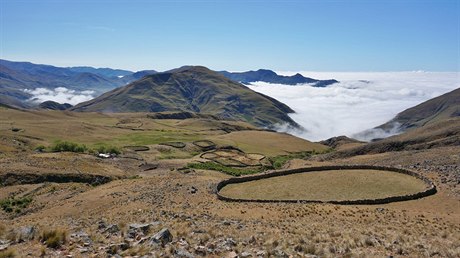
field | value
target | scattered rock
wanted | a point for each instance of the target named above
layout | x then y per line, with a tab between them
380	209
26	233
280	253
4	245
200	250
183	253
81	238
115	248
83	250
163	237
193	190
101	225
135	230
231	255
112	229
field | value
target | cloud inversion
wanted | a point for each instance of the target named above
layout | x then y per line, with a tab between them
359	102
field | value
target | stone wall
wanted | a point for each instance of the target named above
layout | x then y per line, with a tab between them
431	188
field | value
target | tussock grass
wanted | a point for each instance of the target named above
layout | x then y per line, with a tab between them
54	238
7	254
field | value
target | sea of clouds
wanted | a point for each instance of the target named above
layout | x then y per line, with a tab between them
360	101
60	94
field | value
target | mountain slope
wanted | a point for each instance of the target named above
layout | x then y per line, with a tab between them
433	110
431	124
196	89
271	77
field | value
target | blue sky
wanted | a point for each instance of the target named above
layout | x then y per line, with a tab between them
235	35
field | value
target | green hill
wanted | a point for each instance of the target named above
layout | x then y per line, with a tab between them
196	89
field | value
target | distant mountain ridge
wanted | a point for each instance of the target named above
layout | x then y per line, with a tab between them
25	75
193	89
107	72
270	76
15	77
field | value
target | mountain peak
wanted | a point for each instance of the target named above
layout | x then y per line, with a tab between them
193	89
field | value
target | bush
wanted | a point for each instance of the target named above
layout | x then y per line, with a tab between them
12	204
54	238
108	149
227	170
40	148
60	146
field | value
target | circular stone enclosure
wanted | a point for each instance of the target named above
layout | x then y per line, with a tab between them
340	185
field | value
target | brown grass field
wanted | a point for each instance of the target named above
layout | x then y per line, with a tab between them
333	185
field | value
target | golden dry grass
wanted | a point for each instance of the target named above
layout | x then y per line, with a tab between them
333	185
94	129
268	143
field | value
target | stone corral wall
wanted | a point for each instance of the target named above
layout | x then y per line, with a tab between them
431	188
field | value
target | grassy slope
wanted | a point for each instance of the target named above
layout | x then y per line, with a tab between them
93	129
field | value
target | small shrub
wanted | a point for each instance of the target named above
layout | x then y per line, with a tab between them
13	204
108	149
54	238
40	148
60	146
227	170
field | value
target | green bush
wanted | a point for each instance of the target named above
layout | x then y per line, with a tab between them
13	204
40	148
108	149
227	170
60	146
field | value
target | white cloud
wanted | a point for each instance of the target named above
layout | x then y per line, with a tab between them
359	102
60	94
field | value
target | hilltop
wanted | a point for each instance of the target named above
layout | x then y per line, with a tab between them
195	89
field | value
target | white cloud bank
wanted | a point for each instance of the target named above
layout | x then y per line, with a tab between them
359	102
60	94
